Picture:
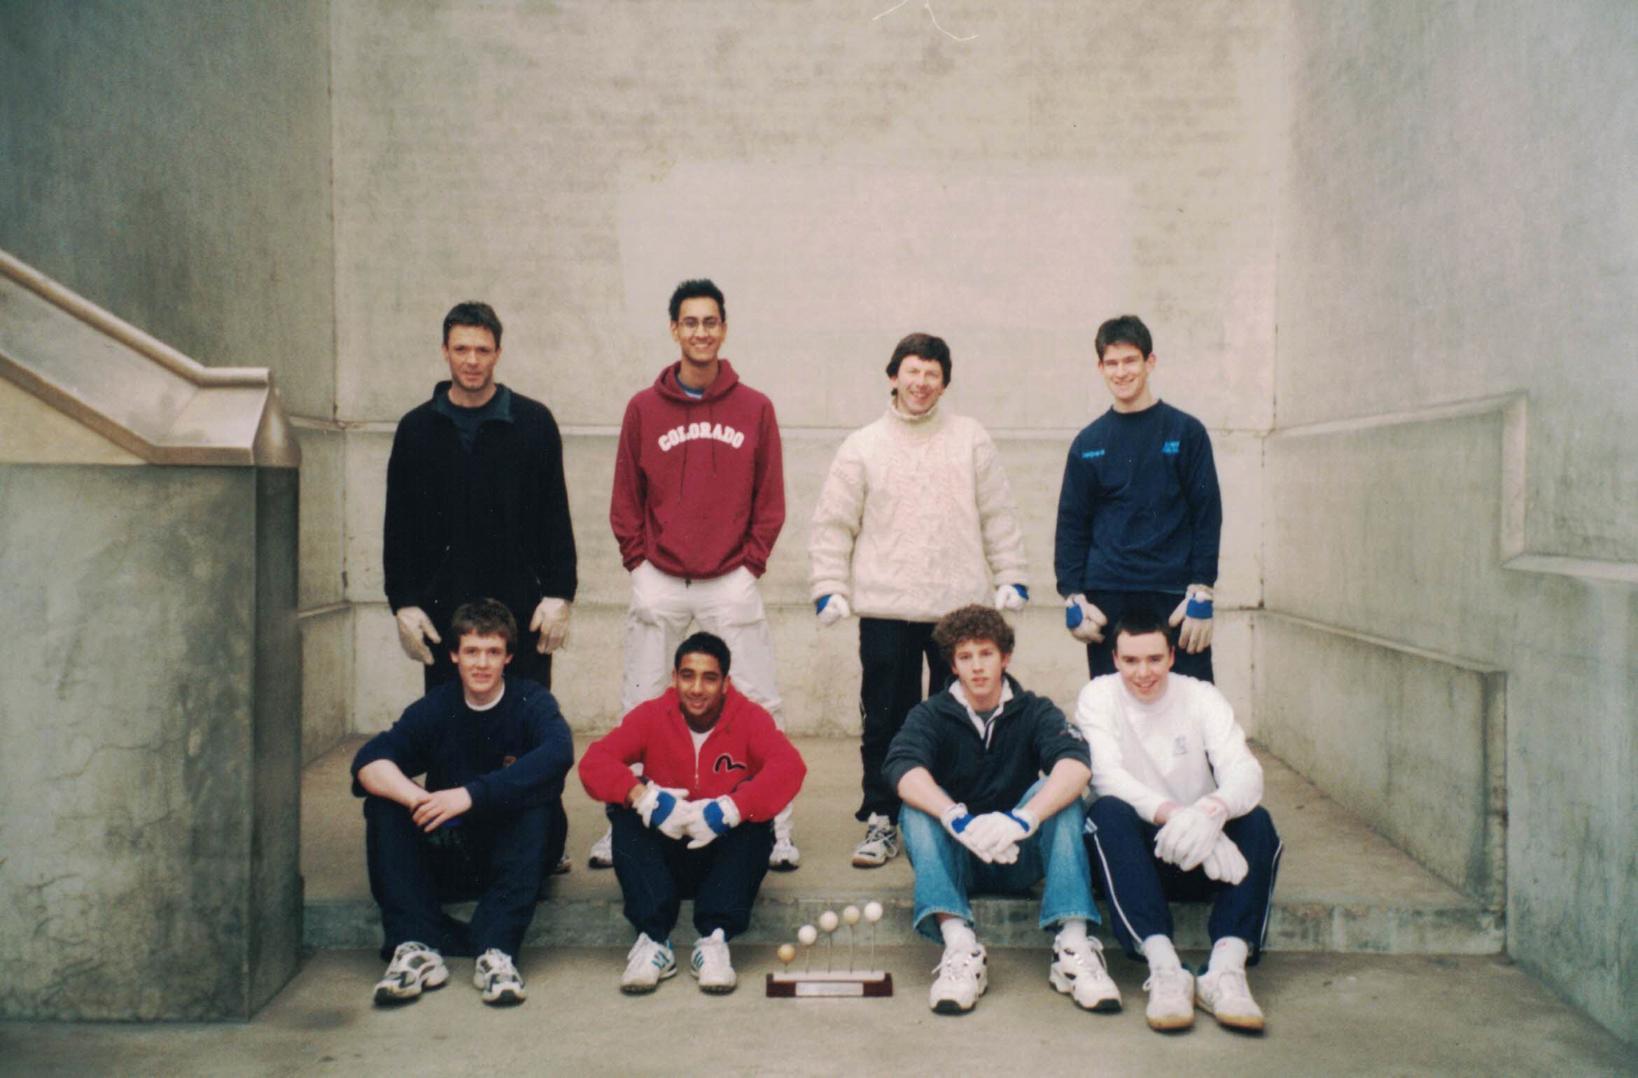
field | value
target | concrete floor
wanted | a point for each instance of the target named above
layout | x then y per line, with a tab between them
1328	1014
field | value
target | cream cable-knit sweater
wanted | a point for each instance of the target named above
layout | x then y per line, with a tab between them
915	519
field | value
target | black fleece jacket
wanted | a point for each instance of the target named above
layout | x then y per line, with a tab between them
493	522
1028	738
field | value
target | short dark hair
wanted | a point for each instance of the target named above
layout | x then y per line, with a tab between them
485	617
702	644
473	313
1124	329
1141	622
972	622
924	345
696	289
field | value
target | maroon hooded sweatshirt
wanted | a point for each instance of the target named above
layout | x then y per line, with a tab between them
699	483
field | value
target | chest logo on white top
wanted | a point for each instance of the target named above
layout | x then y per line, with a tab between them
1180	745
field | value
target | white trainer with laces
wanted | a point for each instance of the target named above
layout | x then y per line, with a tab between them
711	965
647	964
963	976
784	857
1080	971
414	966
497	978
602	851
1226	996
1171	999
880	845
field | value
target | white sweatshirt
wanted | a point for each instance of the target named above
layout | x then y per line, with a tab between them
1179	748
915	519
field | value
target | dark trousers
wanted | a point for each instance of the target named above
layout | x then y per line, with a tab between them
1100	658
891	653
1137	884
526	663
656	873
499	861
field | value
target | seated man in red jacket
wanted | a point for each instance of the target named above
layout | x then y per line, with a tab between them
698	821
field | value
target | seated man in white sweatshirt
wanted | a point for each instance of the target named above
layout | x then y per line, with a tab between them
1175	817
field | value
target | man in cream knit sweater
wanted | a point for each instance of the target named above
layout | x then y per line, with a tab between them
915	520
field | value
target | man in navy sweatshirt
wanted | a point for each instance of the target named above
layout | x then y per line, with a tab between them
1139	513
489	819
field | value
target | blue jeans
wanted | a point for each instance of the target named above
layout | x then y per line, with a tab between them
947	872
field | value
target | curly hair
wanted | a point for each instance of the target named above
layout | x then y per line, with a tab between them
972	622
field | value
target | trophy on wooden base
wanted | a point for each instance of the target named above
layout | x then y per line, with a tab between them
831	982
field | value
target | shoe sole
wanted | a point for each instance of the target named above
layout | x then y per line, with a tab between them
784	866
384	997
1063	984
950	1006
1171	1025
1240	1023
645	989
598	862
718	989
862	862
506	998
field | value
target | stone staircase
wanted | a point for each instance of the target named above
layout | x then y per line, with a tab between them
1342	887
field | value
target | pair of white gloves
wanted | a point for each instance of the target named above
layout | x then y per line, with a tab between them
669	811
1192	837
993	837
833	608
1086	622
551	621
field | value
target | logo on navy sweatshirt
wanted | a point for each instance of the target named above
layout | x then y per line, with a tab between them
724	762
717	432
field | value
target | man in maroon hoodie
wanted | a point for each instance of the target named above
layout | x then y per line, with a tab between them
698	821
699	498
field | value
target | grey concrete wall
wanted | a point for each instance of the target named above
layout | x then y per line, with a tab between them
148	816
1457	223
171	162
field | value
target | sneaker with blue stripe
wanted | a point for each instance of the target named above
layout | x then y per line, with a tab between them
647	964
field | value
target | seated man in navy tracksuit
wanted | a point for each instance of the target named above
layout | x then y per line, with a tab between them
494	751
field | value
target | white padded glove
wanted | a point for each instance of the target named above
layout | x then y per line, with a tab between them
666	809
999	833
1191	833
1011	597
957	820
832	608
1225	862
1084	621
414	630
711	821
1194	614
551	621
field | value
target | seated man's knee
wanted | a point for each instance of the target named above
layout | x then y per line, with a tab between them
1112	812
1255	829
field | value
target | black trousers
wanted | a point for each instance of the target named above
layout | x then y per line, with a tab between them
499	861
1100	658
891	653
656	873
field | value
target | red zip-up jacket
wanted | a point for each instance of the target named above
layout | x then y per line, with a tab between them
699	484
745	756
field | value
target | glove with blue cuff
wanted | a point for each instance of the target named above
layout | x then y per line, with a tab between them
666	810
832	608
714	819
999	833
957	820
1194	613
1011	597
1084	621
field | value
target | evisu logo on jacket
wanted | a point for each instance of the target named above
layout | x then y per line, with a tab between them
724	762
718	432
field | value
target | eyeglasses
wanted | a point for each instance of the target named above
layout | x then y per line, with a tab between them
694	325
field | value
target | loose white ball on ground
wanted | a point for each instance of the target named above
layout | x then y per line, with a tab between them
827	921
873	912
850	915
787	953
807	935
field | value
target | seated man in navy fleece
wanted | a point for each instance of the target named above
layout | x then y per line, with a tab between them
490	818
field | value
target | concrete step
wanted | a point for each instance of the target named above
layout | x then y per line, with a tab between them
1342	887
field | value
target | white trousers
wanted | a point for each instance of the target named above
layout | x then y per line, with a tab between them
662	609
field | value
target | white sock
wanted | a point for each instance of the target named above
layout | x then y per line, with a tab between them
958	935
1160	953
1072	933
1228	953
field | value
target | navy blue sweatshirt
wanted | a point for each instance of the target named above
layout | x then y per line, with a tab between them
511	757
1139	508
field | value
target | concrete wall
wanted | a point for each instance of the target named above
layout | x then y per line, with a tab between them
1457	225
846	180
148	816
171	162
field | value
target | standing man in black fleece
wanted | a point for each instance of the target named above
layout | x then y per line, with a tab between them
1139	513
494	751
476	505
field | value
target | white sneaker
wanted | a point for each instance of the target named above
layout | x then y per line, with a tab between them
880	845
711	966
647	964
602	851
1171	999
414	966
498	979
1227	997
962	977
1081	972
784	857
